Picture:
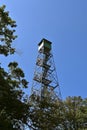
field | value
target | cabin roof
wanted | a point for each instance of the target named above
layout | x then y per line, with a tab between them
43	41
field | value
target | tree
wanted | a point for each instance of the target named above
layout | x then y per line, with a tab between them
83	111
75	113
7	30
45	113
14	109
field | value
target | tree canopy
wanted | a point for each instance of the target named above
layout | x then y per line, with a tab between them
69	114
13	107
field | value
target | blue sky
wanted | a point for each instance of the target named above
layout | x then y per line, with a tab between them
64	23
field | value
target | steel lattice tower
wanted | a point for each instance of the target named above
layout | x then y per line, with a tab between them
45	77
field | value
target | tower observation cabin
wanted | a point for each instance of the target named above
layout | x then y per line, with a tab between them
44	46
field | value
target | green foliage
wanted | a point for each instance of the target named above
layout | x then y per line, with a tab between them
49	113
12	106
45	113
75	113
14	109
7	30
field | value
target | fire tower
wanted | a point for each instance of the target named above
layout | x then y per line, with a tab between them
45	77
